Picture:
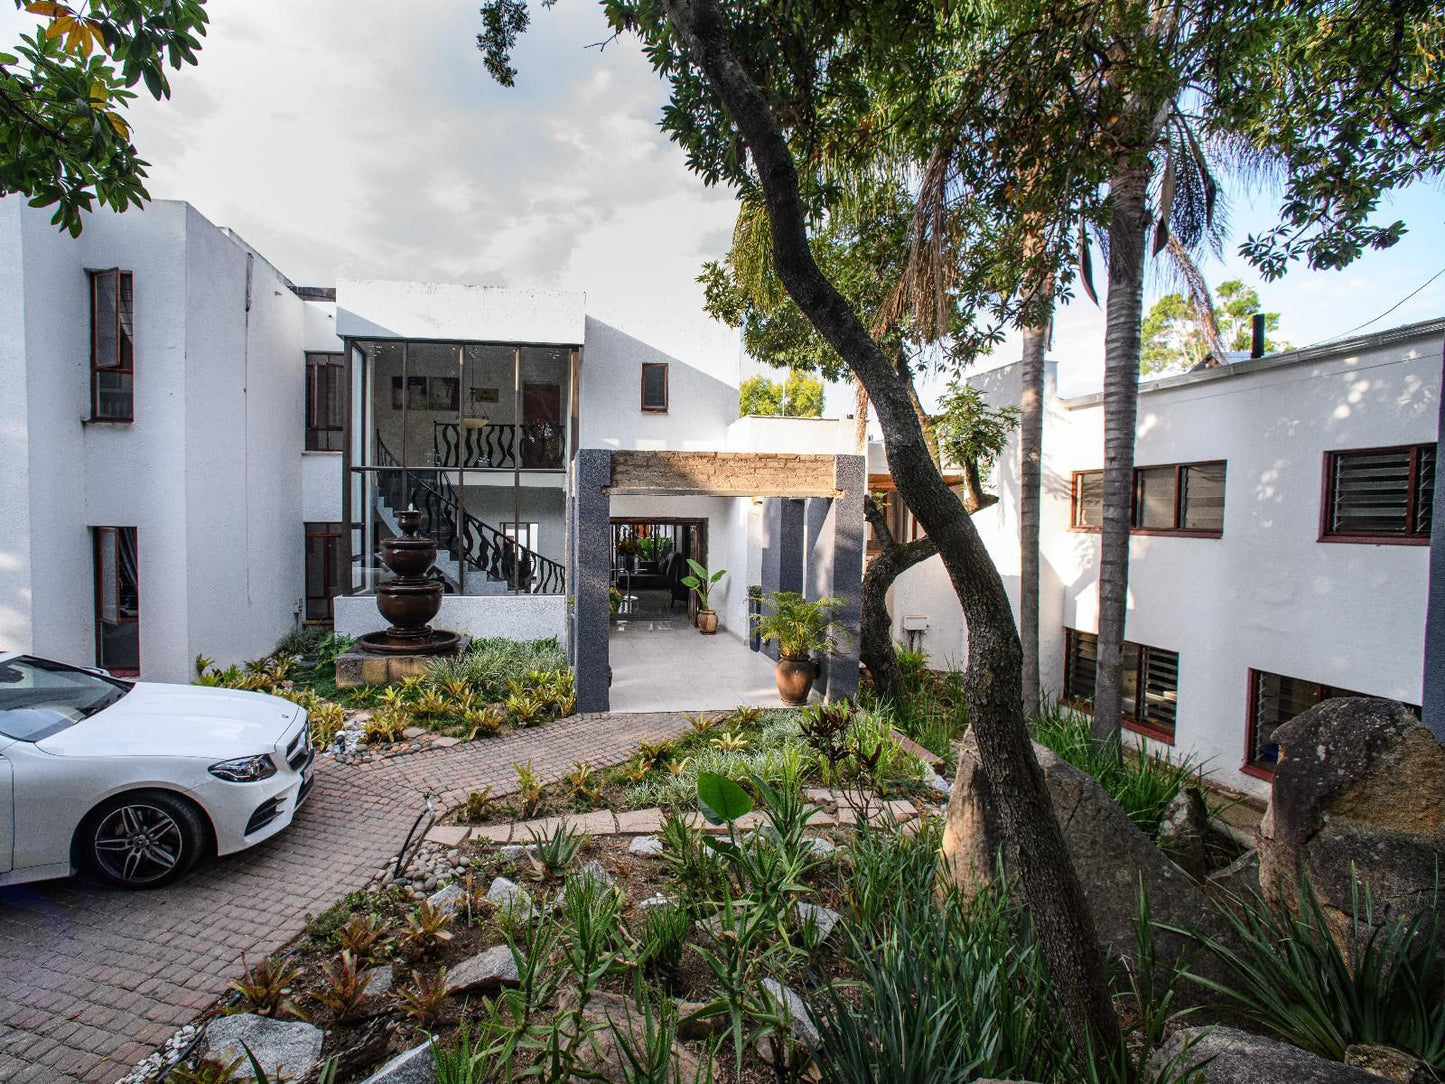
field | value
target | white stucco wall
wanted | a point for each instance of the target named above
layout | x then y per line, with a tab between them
516	617
794	436
430	310
1266	595
15	560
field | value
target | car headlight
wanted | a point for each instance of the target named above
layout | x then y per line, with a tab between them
245	769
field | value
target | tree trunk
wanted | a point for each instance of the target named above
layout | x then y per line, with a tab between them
1129	222
860	419
1031	441
875	635
1051	888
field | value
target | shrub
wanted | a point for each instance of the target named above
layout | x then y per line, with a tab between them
264	988
491	666
1143	785
557	851
343	986
663	936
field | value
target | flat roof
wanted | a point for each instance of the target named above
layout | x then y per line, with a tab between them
448	312
1342	348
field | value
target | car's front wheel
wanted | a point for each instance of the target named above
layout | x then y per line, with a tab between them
144	839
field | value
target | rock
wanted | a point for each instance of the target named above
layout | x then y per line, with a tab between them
1110	853
486	971
414	1066
1389	1063
820	846
794	1008
647	846
510	896
514	852
380	981
940	784
658	900
1239	877
449	899
593	871
1222	1055
1360	784
602	1055
823	918
691	1026
289	1045
1184	829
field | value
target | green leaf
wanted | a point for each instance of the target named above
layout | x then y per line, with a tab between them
722	801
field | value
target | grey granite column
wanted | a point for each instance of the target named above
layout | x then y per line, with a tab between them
590	579
835	567
1433	710
782	545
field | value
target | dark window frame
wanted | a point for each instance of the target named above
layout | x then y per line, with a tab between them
1412	497
124	358
97	534
666	392
337	579
328	369
1134	528
1322	691
1135	722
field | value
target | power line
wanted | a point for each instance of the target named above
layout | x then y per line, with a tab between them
1382	315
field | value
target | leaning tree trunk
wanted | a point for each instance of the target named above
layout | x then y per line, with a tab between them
1031	441
1056	901
1128	224
875	627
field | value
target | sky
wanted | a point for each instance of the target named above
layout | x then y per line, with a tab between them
365	139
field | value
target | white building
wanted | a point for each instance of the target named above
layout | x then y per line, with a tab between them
1283	509
199	455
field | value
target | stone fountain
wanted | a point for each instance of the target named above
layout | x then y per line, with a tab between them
409	601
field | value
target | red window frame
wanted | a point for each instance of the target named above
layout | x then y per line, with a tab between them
325	373
120	361
1134	527
1132	722
327	538
1412	537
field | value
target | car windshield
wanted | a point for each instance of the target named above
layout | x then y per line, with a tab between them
39	698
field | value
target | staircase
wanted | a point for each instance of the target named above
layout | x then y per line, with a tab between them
462	539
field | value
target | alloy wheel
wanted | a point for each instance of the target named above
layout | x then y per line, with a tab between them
138	843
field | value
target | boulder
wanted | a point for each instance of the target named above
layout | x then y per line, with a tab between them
486	971
1389	1063
289	1046
1226	1056
414	1066
1184	830
1360	784
1110	853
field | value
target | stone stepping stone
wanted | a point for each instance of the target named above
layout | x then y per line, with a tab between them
486	971
824	918
289	1045
646	846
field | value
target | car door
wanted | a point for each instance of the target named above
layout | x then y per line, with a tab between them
7	814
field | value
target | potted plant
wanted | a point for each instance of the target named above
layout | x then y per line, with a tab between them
628	549
702	582
801	629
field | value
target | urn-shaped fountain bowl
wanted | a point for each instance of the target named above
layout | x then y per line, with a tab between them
411	598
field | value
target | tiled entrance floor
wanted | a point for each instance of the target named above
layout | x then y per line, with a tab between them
662	663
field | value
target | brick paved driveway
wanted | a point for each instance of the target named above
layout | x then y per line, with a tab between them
91	980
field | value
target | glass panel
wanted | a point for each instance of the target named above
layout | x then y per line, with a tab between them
432	400
1425	489
126	352
1161	688
487	436
117	609
1154	496
1277	700
1371	493
654	386
1082	665
1201	505
1089	499
105	346
113	394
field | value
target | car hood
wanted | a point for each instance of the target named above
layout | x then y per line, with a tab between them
179	721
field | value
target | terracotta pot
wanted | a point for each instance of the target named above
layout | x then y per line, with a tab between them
795	680
707	622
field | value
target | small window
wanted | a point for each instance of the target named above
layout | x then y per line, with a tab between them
1175	498
1088	499
325	402
1380	495
112	346
654	387
117	599
326	564
1150	679
1273	701
524	534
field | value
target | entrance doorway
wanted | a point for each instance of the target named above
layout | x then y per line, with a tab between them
649	562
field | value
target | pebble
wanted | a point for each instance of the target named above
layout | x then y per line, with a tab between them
645	845
940	784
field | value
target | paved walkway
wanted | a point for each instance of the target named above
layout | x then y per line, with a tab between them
91	980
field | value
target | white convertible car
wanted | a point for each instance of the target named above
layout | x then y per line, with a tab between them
131	782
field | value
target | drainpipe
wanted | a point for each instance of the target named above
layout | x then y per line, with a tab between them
1256	335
